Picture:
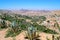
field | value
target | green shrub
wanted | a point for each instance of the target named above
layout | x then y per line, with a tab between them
3	24
14	29
50	31
10	33
46	30
43	18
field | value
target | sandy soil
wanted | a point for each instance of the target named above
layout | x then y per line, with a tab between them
2	35
21	36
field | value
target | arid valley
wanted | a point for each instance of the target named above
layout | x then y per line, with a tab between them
26	24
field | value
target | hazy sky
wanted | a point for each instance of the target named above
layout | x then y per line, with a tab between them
30	4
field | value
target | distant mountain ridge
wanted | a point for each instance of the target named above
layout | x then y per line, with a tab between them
31	12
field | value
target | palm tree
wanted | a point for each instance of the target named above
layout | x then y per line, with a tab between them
3	24
16	27
32	33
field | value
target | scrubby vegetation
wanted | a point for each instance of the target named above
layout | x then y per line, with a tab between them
18	24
